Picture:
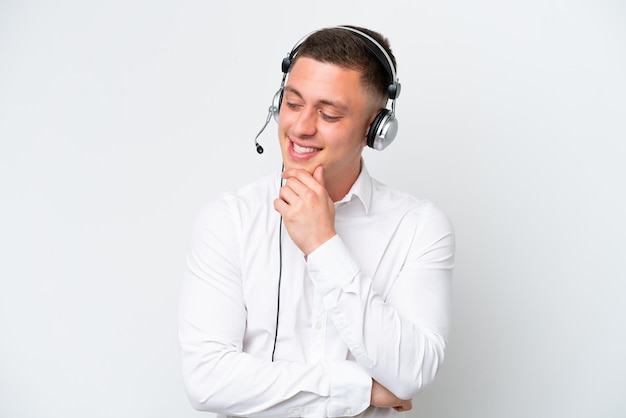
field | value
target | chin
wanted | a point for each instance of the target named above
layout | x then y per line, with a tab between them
308	167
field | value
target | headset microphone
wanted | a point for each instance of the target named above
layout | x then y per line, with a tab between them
259	148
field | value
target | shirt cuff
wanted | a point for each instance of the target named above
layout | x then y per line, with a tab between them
350	389
331	265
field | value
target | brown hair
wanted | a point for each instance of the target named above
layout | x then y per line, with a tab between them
346	49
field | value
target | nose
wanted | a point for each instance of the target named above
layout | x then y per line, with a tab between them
305	123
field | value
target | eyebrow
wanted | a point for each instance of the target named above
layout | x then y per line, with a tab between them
326	102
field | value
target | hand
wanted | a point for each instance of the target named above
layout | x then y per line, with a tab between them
308	212
383	398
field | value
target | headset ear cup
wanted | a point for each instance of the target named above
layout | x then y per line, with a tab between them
382	130
372	133
276	102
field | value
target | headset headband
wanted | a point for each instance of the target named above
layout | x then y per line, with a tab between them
374	46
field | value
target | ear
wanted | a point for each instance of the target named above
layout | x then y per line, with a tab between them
370	120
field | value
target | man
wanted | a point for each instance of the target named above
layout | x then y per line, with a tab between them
319	291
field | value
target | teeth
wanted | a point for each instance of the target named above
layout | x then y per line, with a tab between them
302	150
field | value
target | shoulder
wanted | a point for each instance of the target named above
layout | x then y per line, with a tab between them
252	194
246	201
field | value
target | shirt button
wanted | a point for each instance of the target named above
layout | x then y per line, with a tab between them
318	325
348	411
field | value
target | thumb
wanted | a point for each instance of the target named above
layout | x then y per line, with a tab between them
318	175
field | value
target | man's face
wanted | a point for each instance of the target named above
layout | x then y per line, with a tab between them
323	120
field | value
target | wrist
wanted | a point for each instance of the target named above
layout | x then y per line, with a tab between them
314	245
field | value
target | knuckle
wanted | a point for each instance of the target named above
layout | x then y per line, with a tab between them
309	195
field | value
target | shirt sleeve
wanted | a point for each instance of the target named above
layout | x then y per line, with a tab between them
218	375
399	340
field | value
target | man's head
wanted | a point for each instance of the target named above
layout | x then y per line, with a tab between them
350	49
336	88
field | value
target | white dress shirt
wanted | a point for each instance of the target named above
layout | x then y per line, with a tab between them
371	303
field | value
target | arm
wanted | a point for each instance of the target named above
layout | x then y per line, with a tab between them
400	339
218	375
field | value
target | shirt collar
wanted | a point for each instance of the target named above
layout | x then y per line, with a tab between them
361	189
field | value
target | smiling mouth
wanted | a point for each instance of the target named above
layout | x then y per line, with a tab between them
303	150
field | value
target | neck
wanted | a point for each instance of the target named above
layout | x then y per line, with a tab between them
337	188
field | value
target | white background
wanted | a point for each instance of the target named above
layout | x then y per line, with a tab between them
119	119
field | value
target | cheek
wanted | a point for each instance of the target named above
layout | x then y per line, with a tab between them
284	117
281	121
349	150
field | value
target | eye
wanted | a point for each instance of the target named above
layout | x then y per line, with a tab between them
292	105
329	118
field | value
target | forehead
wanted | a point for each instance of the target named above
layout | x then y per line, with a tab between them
311	78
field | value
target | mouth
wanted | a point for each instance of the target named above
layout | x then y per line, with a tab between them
304	150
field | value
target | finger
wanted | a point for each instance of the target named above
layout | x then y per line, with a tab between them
305	178
281	206
306	188
318	175
294	184
288	194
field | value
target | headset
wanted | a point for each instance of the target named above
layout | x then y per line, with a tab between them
384	127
